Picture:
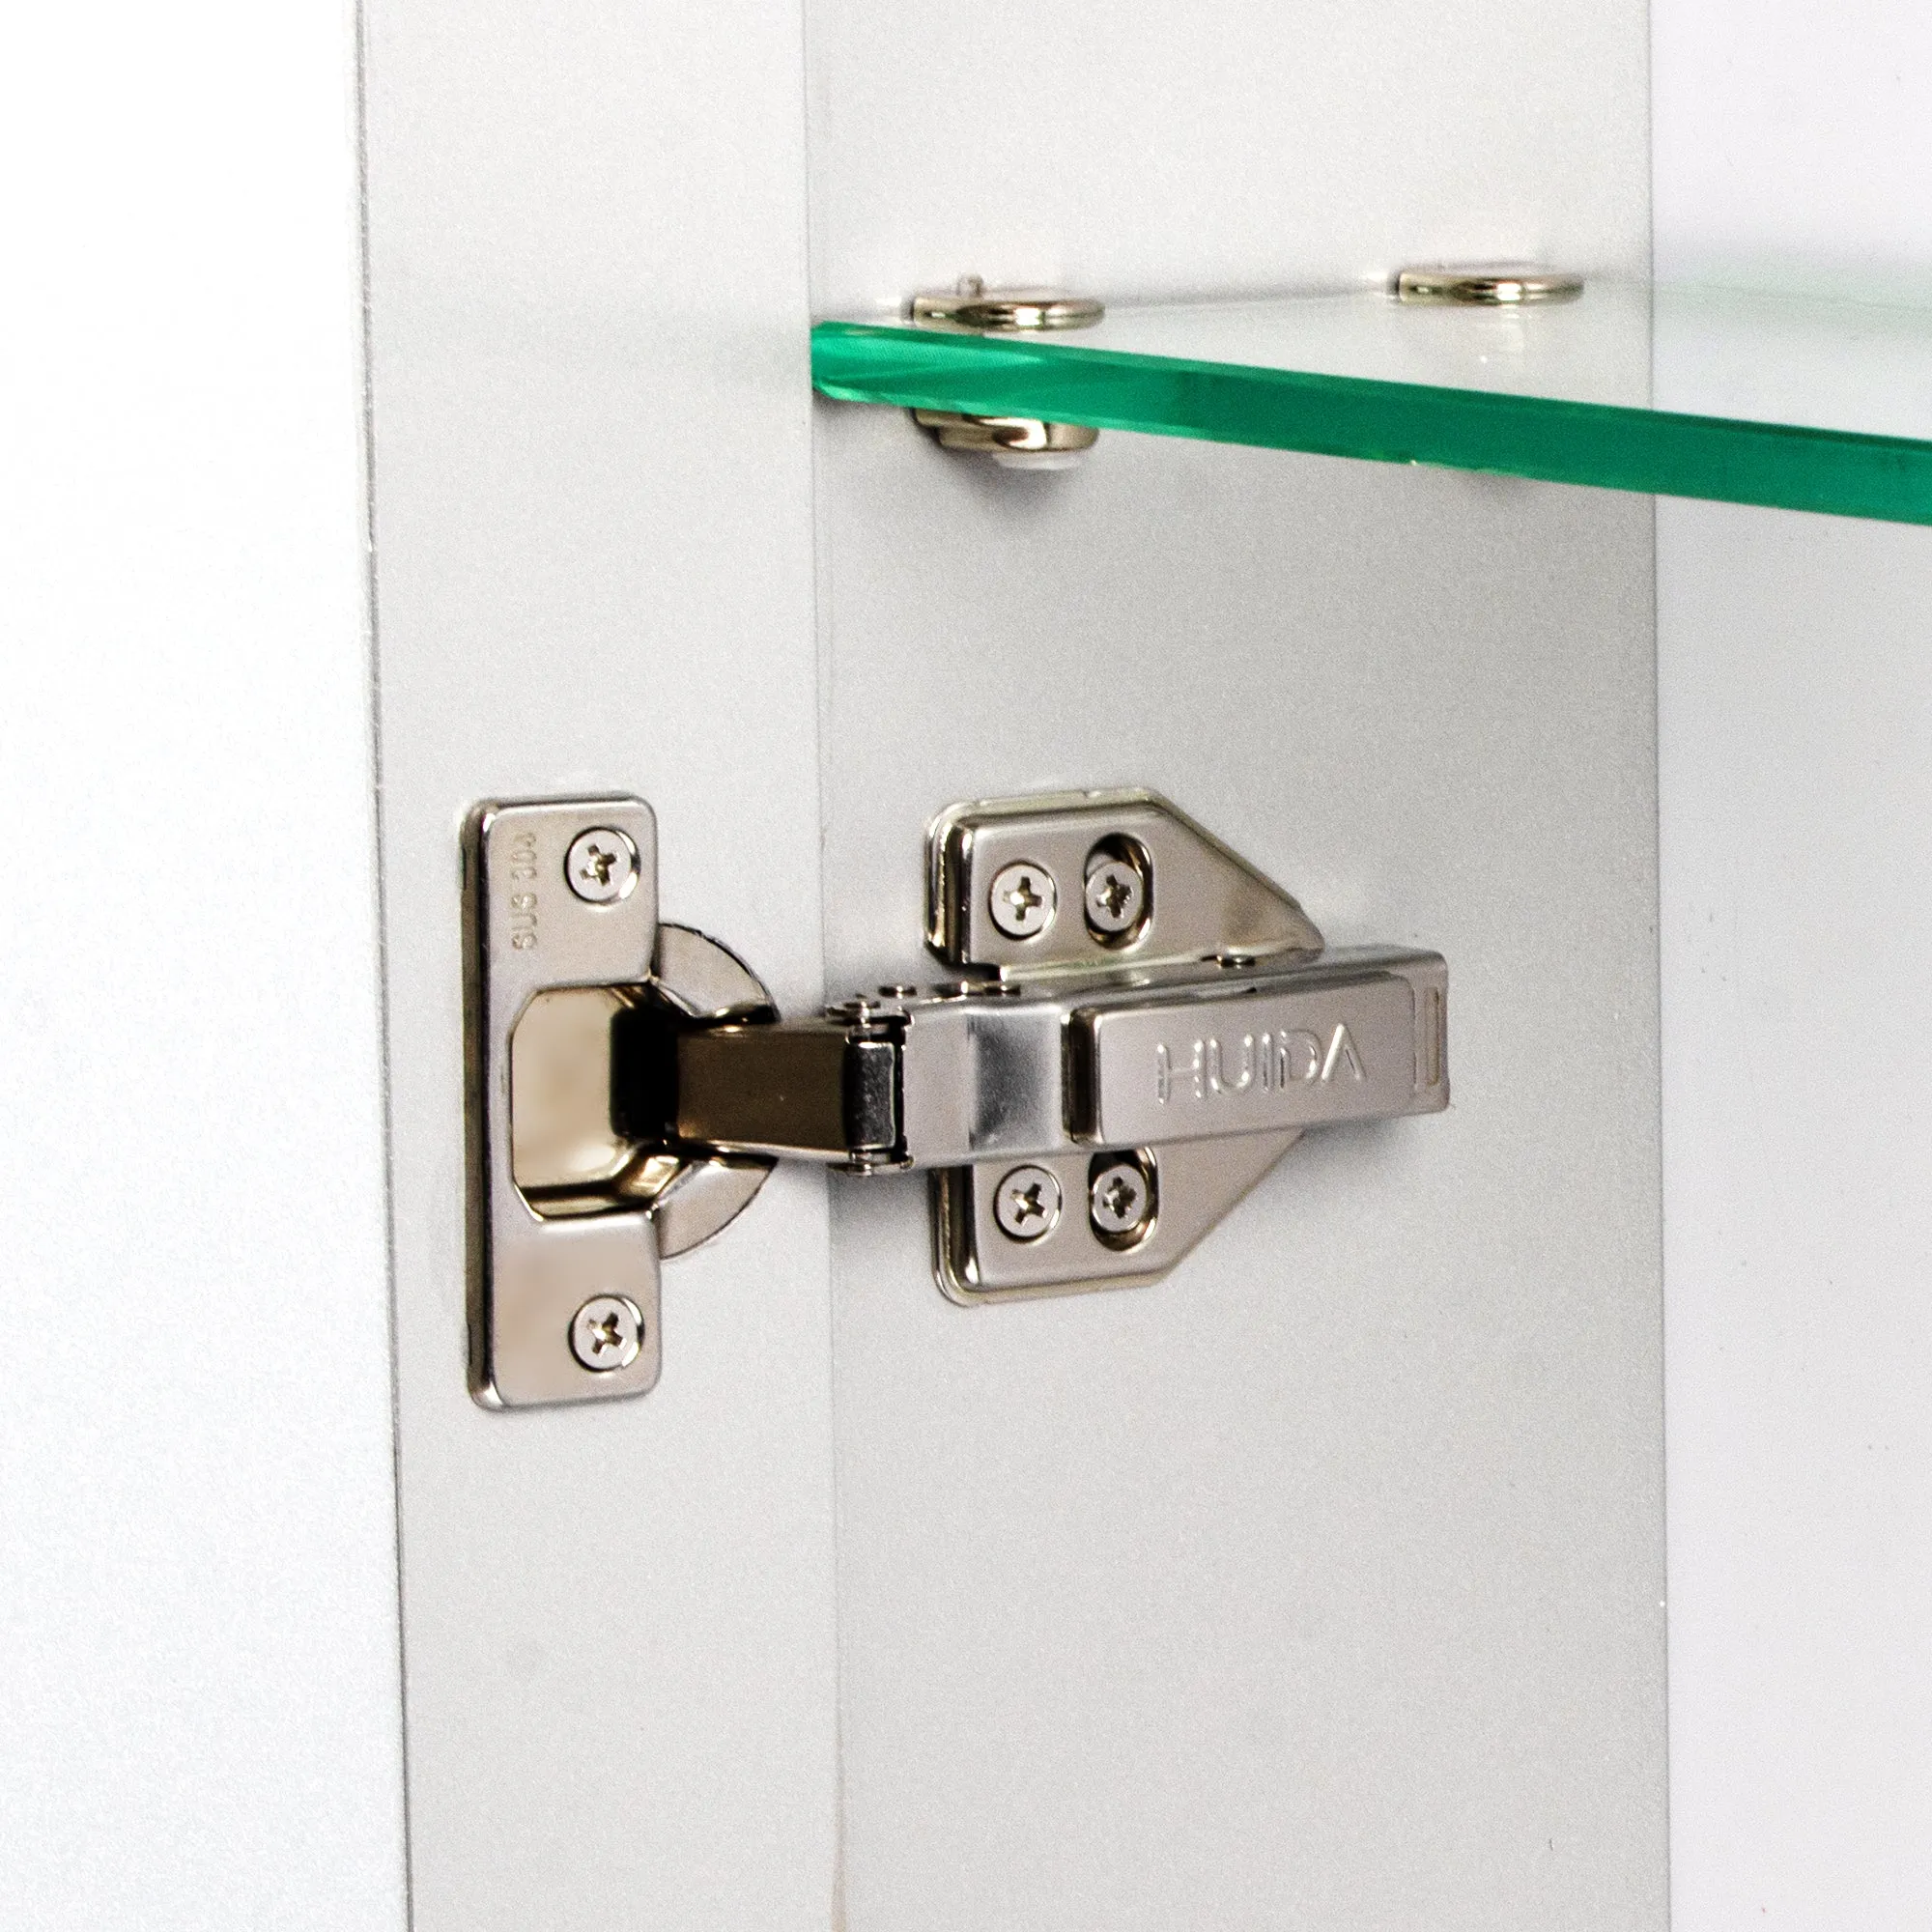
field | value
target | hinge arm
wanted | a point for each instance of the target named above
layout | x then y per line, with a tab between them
1013	1070
816	1090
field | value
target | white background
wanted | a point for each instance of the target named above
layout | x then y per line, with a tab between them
201	1722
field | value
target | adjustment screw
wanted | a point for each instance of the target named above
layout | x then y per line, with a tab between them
1022	899
1116	897
1119	1199
608	1332
1027	1203
601	865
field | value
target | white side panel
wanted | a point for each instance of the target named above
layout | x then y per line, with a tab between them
1796	728
1796	701
200	1725
1791	140
1322	1584
593	506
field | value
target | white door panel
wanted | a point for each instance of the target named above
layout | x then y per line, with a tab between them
593	501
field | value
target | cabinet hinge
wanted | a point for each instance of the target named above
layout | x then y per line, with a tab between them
1140	1025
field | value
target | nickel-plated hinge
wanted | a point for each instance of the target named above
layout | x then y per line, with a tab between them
1140	1026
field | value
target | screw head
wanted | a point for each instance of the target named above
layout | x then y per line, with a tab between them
607	1333
1023	899
601	867
1115	896
1027	1203
1119	1199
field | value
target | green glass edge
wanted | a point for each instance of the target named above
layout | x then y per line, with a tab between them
1769	464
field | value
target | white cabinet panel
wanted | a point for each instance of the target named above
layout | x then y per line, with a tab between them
1322	1584
1156	147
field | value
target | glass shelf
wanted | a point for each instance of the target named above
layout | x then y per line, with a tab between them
1793	402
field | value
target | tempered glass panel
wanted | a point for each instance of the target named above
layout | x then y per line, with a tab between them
1794	402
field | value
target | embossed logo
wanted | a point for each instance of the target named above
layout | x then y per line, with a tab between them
522	907
1208	1069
